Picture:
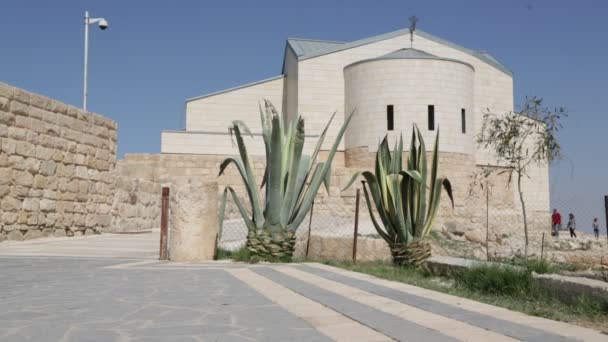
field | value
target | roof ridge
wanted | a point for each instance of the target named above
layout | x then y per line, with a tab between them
317	40
235	88
485	57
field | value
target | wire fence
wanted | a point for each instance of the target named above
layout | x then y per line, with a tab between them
327	231
490	226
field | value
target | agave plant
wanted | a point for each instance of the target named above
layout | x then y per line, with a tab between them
406	200
291	181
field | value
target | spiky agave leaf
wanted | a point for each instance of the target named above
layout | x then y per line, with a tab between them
291	179
407	212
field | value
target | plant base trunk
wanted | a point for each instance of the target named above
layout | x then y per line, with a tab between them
271	245
413	254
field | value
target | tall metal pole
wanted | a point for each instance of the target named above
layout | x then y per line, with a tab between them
86	58
606	209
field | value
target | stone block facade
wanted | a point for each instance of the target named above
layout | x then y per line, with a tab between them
465	223
56	164
58	173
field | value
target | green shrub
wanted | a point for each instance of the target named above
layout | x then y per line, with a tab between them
238	255
540	266
496	280
244	255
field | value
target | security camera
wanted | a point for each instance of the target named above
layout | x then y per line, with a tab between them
103	24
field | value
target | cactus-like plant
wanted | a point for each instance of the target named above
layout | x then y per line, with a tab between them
406	200
291	181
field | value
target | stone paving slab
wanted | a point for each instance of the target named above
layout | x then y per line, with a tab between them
53	299
113	288
387	324
140	246
518	331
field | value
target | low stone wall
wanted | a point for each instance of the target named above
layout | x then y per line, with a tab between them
56	165
339	248
136	205
571	289
465	224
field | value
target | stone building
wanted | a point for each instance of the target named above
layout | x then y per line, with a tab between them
436	84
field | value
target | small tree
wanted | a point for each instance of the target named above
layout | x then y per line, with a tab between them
522	139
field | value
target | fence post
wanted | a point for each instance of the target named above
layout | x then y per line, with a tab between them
487	221
542	247
312	209
356	228
606	209
164	216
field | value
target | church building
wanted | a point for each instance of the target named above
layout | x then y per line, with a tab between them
391	81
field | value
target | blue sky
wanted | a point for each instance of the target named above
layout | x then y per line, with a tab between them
158	53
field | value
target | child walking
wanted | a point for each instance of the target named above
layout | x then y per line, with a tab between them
596	228
571	225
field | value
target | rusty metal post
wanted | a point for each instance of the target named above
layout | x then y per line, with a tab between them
356	228
542	248
164	220
312	209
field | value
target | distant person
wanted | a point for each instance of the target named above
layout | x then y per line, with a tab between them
571	225
556	220
596	228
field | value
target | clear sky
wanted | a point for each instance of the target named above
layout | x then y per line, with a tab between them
158	53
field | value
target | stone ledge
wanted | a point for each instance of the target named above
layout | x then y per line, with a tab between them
566	288
572	288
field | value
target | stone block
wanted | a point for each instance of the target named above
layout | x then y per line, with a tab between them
6	175
23	178
9	146
10	204
43	153
40	182
59	232
193	221
32	165
14	235
19	191
26	149
48	205
9	217
48	167
19	108
4	190
5	104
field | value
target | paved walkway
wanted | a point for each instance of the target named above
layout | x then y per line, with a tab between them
130	296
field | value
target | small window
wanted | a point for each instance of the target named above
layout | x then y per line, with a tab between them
431	112
390	124
463	120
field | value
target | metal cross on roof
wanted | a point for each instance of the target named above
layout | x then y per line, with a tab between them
413	21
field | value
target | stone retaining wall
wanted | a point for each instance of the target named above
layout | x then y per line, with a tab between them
56	165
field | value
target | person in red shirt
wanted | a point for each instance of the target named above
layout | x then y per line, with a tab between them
556	219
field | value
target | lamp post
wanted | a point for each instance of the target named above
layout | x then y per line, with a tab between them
103	24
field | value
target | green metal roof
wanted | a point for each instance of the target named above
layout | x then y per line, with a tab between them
303	47
407	54
309	48
410	54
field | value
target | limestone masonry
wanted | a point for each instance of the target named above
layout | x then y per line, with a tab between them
58	175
